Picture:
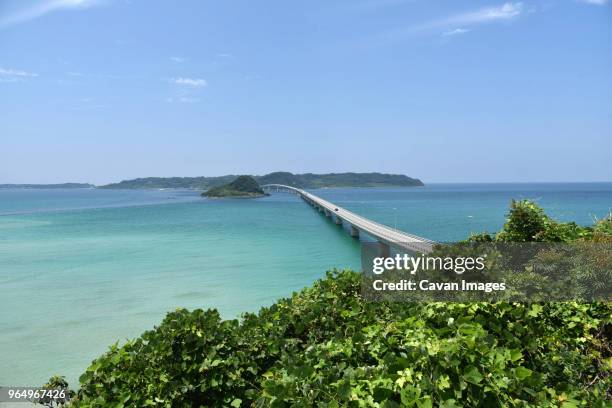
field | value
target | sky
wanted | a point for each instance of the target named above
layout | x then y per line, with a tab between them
446	91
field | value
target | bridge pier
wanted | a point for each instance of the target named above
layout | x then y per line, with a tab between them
327	214
354	232
338	220
383	250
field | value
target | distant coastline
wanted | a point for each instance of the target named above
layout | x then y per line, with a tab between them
307	180
47	186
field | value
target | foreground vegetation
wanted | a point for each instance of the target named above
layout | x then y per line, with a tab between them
527	222
327	347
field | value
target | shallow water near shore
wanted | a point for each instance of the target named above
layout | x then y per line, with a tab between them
82	269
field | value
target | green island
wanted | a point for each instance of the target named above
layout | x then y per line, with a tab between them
328	347
242	187
308	180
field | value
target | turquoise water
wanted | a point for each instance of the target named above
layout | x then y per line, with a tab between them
449	212
81	269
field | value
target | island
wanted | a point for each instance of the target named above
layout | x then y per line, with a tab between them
307	180
242	187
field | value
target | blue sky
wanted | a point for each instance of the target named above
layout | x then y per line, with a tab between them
447	91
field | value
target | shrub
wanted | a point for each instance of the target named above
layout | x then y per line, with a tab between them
525	221
325	346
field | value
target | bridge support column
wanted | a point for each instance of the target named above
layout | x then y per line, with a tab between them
383	250
354	232
327	214
338	220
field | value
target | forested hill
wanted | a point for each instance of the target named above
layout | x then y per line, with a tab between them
308	180
197	183
242	187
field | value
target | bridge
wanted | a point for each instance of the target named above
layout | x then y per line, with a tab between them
386	237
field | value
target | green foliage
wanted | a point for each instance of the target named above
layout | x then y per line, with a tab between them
327	347
56	383
604	226
243	186
482	237
527	222
578	268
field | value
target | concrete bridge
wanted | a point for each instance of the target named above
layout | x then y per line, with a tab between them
386	237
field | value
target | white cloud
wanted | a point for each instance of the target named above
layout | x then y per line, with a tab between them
446	26
41	8
16	73
194	82
188	90
456	31
178	59
506	11
595	2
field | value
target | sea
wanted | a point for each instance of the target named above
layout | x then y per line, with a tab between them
82	269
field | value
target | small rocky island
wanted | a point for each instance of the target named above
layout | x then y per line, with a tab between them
242	187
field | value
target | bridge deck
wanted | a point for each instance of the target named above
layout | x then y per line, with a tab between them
380	232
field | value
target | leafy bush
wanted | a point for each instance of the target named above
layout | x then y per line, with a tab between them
58	383
527	222
326	347
604	226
